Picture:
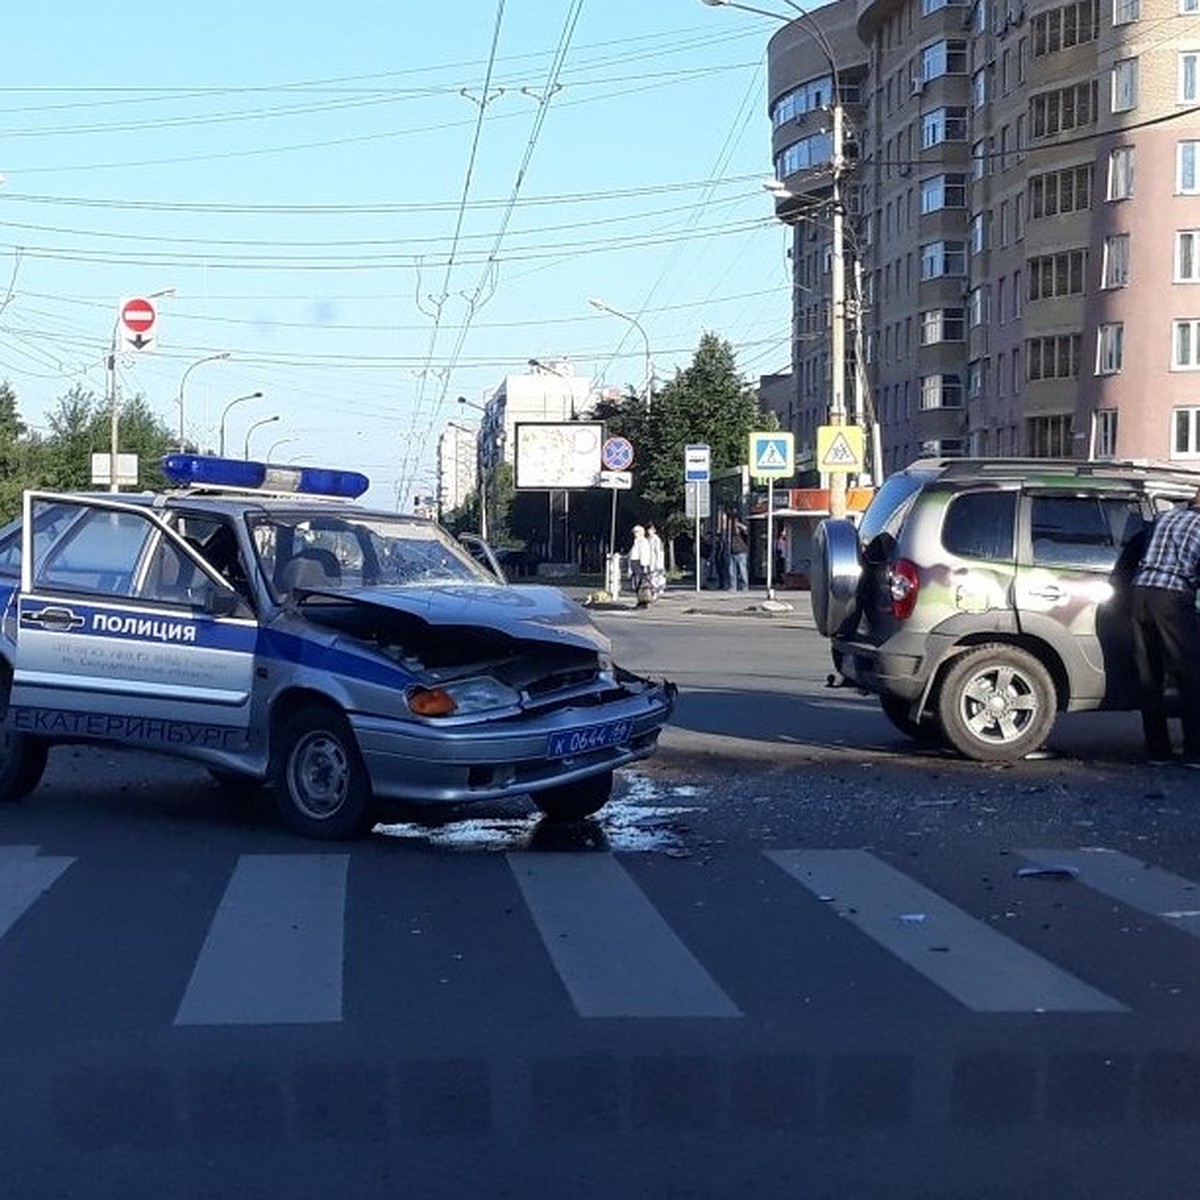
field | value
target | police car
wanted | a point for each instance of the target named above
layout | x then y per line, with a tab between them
257	620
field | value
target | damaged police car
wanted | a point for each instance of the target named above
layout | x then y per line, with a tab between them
257	620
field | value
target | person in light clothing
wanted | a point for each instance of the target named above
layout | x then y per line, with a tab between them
639	563
656	561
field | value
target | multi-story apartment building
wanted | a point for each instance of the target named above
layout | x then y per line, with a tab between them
1022	188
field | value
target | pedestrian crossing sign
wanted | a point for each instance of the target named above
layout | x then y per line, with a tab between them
772	455
840	449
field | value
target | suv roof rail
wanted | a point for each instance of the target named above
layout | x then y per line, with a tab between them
957	468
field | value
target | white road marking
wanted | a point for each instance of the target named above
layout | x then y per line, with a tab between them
979	967
274	951
616	955
23	878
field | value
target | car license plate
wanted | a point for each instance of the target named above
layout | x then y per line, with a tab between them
589	737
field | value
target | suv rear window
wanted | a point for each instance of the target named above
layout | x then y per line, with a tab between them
980	525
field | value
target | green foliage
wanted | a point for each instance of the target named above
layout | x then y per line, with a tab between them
708	402
80	426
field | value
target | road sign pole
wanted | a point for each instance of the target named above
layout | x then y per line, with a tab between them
770	536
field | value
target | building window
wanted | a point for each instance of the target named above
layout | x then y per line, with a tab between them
1049	437
1186	175
813	151
941	391
977	306
977	234
1125	11
1053	357
1063	109
1105	445
1189	91
1062	28
811	96
1186	442
1189	6
979	94
1056	192
1114	269
1186	343
1057	275
945	124
1124	84
943	325
943	58
1187	256
1120	173
976	376
1110	339
939	259
943	191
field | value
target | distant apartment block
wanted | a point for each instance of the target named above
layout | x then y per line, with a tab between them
1022	198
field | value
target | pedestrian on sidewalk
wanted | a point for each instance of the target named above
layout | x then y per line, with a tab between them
739	551
1166	629
656	562
639	567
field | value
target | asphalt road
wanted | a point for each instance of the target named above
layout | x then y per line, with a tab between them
793	959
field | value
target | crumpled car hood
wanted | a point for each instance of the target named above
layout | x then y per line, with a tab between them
524	612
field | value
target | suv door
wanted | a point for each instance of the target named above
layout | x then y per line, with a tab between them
1071	591
124	633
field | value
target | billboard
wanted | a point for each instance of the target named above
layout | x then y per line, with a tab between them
553	455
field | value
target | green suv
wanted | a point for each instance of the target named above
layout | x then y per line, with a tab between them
978	598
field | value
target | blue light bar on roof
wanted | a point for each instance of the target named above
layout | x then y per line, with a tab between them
205	470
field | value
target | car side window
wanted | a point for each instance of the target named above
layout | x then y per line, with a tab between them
980	525
1081	530
98	553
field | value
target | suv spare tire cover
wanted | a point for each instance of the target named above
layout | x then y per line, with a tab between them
835	573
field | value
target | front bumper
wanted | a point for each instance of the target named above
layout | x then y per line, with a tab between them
425	762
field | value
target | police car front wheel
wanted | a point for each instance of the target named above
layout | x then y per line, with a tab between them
22	761
321	784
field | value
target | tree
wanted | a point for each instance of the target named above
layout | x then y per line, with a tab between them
707	402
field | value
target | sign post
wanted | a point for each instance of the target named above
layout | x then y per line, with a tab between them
772	456
616	457
697	470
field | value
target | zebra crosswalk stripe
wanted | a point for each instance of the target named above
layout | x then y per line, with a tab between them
274	950
612	949
982	969
24	876
1151	890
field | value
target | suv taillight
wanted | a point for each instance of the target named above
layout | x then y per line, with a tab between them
903	584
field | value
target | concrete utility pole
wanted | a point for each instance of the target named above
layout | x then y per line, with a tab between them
837	287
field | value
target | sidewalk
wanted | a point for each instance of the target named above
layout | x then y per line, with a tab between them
682	598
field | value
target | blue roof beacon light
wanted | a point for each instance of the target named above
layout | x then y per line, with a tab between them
205	470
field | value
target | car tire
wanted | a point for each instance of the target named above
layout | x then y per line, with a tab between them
927	730
577	800
320	780
834	575
996	703
22	762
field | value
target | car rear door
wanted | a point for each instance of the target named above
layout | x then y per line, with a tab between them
124	633
1070	591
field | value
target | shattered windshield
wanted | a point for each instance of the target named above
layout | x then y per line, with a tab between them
345	551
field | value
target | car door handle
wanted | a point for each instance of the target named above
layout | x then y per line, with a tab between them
1049	591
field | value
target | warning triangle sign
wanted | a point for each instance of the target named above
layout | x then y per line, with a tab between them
840	453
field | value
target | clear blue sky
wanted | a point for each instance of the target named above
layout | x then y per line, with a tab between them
379	206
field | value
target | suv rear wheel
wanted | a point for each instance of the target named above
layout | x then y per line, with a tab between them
927	730
996	703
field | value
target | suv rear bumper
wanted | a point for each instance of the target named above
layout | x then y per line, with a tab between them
885	672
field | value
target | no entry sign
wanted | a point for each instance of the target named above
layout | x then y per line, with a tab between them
137	323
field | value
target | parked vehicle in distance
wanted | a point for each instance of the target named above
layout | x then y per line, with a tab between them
978	598
257	620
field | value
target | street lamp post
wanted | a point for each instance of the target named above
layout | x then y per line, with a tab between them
275	446
225	413
114	412
645	337
256	425
179	400
837	267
